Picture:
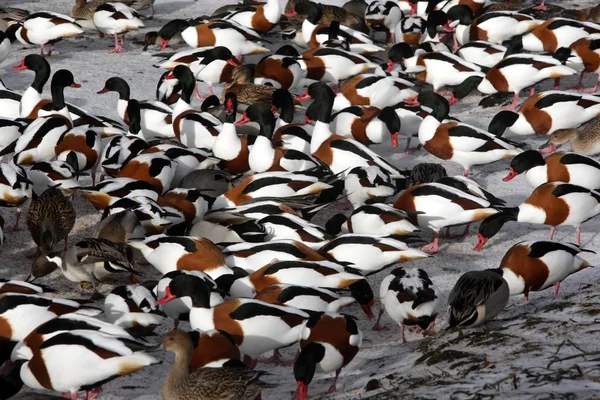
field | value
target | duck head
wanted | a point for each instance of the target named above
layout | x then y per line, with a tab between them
116	84
230	105
557	139
392	122
220	53
185	76
312	11
283	101
261	114
305	365
460	14
39	65
397	53
501	121
438	104
523	162
320	108
45	264
187	286
179	342
170	29
491	225
363	294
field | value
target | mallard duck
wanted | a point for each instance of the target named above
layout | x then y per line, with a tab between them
246	91
329	14
206	383
50	218
11	14
585	142
84	9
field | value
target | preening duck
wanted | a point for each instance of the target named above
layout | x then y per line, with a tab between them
459	142
477	297
260	17
364	185
553	203
368	125
564	167
280	70
535	265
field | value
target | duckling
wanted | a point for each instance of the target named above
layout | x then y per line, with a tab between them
50	218
585	142
206	383
247	92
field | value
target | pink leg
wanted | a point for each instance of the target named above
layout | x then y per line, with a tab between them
393	37
455	41
335	88
578	232
117	48
465	172
274	359
16	228
526	296
594	89
541	7
402	332
532	91
197	93
378	327
430	330
556	83
552	229
579	85
514	103
210	90
556	288
333	387
432	247
122	40
42	50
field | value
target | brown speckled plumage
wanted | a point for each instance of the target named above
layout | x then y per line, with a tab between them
584	142
246	91
330	14
206	383
50	218
85	9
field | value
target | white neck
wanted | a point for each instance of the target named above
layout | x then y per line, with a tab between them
121	108
272	11
261	155
227	145
307	30
279	123
180	107
463	32
320	134
28	101
427	129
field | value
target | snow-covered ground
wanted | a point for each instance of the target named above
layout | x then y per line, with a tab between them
545	348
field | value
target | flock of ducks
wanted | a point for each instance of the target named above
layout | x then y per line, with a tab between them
220	200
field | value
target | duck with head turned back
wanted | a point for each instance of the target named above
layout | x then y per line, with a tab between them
206	383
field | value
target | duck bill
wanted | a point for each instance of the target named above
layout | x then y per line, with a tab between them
244	120
303	96
291	13
168	297
367	308
390	66
234	61
75	85
105	90
547	148
481	241
510	176
164	44
170	76
301	391
20	67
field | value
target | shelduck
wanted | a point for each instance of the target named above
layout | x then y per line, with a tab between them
555	33
214	349
133	308
410	298
184	253
587	50
47	174
374	90
266	155
585	142
535	265
22	287
190	203
368	185
154	168
493	27
192	128
546	112
179	308
378	218
224	228
80	148
564	167
109	191
459	142
289	226
90	260
368	254
185	160
510	73
122	148
66	355
155	117
477	297
237	38
553	203
368	125
256	326
306	298
206	383
280	70
115	19
435	205
482	53
44	27
50	219
231	149
261	17
15	188
338	152
409	30
152	216
324	274
293	136
253	256
384	16
437	68
328	342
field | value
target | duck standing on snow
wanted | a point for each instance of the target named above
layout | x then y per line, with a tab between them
206	383
458	142
582	142
535	265
115	19
44	27
410	298
261	17
328	342
15	188
477	297
50	218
